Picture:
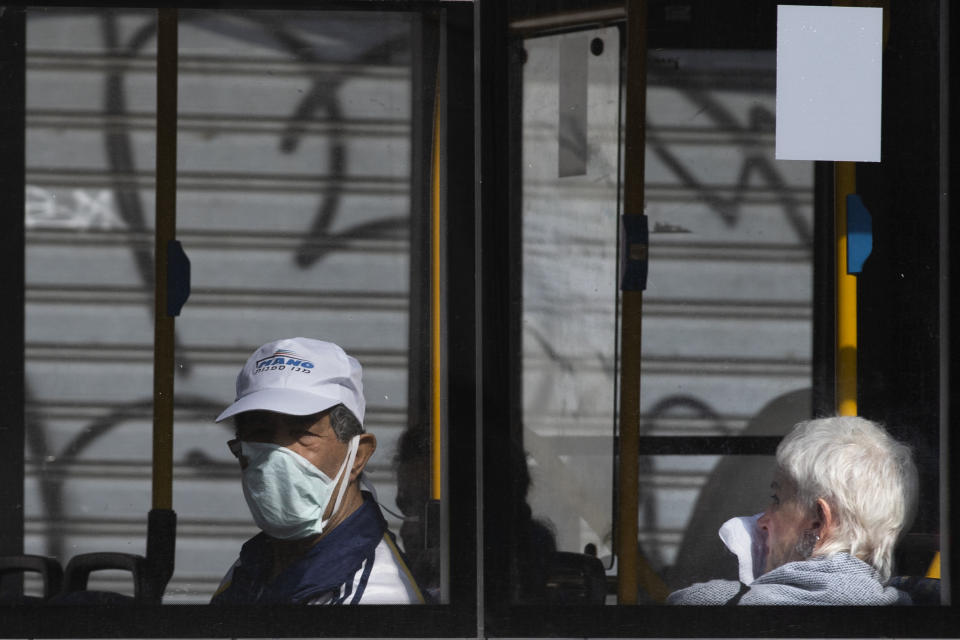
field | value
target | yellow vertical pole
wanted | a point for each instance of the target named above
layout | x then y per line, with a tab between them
163	342
845	183
628	489
933	571
436	343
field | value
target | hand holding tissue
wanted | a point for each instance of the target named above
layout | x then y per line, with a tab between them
747	542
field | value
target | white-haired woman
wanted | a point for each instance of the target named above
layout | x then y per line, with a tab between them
842	493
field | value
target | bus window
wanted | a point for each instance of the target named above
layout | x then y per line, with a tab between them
299	177
728	306
738	317
293	200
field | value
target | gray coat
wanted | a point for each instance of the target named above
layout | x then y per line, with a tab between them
839	579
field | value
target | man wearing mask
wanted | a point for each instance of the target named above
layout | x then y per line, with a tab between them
302	450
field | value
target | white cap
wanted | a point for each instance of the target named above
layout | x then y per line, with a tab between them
298	376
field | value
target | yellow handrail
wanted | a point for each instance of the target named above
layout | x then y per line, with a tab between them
846	307
436	354
845	183
163	342
633	570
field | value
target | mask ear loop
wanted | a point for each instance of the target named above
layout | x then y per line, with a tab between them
347	464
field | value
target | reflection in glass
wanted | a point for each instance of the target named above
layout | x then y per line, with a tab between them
570	119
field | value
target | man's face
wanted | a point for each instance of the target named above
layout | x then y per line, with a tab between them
783	524
314	439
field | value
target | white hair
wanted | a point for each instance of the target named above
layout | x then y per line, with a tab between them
866	477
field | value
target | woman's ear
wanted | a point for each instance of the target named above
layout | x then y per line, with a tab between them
824	520
365	447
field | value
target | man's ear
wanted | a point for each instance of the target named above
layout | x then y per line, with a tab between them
365	448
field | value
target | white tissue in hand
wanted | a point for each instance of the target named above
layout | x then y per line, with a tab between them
744	540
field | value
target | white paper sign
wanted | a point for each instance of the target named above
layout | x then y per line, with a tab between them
829	83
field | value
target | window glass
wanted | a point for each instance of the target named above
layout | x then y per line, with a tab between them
293	206
727	329
570	170
89	282
728	307
727	322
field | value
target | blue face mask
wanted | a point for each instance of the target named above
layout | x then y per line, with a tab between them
287	495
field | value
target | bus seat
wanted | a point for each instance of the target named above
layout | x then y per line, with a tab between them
575	578
914	553
922	590
917	562
77	575
49	569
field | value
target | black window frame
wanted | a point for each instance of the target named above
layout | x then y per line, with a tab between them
911	133
458	617
484	354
